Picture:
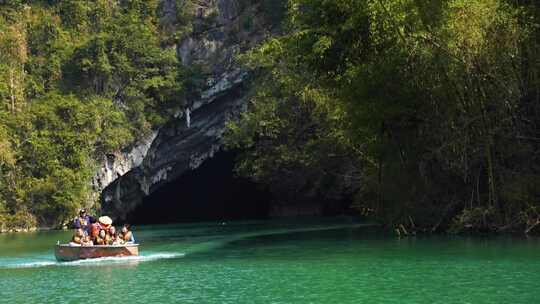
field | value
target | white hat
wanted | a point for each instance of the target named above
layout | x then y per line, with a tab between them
105	220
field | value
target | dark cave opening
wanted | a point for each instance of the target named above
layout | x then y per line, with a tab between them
211	192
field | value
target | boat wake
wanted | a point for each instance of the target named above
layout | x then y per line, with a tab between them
46	259
129	260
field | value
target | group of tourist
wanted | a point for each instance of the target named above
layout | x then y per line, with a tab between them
90	232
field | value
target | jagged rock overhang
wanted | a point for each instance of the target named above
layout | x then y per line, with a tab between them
175	150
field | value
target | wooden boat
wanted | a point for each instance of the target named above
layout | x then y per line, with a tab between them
66	252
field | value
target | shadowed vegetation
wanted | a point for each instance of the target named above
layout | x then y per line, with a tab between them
428	112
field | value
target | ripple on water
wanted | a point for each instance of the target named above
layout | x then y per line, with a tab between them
255	265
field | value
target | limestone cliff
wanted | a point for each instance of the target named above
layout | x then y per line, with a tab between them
221	29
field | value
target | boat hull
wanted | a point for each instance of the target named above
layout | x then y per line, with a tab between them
64	252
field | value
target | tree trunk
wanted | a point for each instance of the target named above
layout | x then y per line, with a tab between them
12	89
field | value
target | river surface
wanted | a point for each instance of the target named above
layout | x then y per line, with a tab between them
275	262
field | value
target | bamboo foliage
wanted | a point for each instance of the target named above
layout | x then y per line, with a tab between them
441	99
13	56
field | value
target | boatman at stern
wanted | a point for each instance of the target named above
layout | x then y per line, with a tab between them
83	221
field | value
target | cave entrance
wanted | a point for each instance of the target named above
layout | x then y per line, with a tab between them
211	192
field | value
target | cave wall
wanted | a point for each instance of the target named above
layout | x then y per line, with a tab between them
219	34
212	192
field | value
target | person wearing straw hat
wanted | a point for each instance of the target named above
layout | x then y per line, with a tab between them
103	223
105	220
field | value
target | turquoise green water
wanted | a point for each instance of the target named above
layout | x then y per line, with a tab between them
276	262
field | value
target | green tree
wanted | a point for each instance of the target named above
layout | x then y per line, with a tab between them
433	95
77	79
126	63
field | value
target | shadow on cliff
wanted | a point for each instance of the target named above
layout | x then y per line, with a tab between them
212	192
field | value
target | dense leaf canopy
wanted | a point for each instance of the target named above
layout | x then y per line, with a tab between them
429	107
78	79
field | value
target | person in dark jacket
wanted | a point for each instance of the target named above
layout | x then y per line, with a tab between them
83	221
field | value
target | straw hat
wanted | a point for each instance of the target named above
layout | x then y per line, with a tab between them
105	220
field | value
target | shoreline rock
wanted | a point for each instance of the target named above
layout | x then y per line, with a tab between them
21	229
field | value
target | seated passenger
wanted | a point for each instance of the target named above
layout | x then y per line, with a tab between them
77	238
127	235
102	238
115	237
87	241
94	230
111	232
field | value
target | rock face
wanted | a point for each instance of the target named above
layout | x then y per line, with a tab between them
221	30
118	164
